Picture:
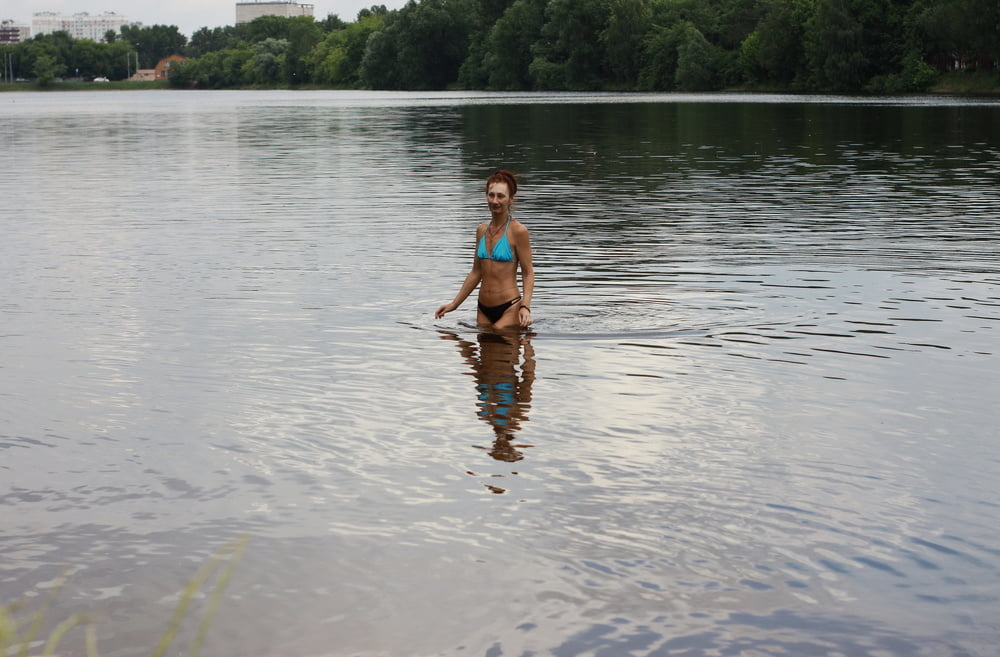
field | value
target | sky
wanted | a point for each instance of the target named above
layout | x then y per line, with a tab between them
187	15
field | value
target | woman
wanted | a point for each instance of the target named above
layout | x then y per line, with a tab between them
502	245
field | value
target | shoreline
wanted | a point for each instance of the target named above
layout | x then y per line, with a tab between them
963	84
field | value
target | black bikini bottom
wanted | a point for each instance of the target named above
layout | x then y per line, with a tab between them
493	313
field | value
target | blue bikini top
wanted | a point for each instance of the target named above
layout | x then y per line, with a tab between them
501	250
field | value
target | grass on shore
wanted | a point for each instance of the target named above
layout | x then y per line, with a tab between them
964	82
21	629
85	86
961	82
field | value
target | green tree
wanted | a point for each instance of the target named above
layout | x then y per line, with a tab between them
374	10
303	35
774	53
328	61
474	73
703	14
46	69
378	68
115	65
659	73
182	74
915	75
7	52
57	44
433	42
750	59
154	43
507	56
697	61
332	23
958	33
336	60
27	53
883	34
737	19
208	40
833	47
843	45
570	53
264	67
680	57
490	11
262	28
215	70
88	59
628	24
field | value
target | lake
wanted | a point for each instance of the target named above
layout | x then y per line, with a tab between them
757	413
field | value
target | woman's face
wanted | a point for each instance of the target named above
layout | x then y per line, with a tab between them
498	196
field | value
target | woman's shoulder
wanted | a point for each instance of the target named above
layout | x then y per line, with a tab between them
517	228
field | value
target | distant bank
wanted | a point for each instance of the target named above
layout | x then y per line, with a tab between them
948	83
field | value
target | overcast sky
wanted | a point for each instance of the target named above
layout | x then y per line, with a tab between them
188	15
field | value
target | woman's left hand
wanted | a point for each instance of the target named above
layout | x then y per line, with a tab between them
524	316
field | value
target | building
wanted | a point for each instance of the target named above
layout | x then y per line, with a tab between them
11	32
160	72
143	75
247	11
79	26
162	69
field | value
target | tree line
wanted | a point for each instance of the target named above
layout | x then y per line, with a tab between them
58	55
627	45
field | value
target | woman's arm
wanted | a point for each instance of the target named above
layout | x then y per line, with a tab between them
472	279
523	245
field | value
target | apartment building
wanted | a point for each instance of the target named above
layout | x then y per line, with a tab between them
247	11
11	32
79	26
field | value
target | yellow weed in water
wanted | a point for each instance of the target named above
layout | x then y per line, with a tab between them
19	636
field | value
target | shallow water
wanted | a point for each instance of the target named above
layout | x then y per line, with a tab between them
756	415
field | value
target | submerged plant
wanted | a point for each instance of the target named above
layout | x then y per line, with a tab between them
19	636
22	640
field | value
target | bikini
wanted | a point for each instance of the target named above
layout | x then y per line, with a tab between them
493	313
501	253
501	250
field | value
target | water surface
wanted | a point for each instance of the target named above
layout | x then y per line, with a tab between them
756	415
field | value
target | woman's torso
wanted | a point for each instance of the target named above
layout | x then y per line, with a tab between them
499	267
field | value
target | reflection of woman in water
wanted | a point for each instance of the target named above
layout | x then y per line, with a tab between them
502	245
503	397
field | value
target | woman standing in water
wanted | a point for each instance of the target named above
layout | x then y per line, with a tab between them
502	245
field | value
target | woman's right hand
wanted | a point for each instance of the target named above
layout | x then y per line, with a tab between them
446	308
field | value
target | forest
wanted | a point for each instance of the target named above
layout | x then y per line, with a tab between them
875	46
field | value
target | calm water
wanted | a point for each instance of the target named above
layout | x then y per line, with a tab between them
757	415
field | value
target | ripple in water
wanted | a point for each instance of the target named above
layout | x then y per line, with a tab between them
756	413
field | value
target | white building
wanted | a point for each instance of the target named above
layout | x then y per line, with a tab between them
79	26
247	11
11	32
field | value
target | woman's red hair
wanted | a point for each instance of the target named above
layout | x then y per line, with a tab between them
503	176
